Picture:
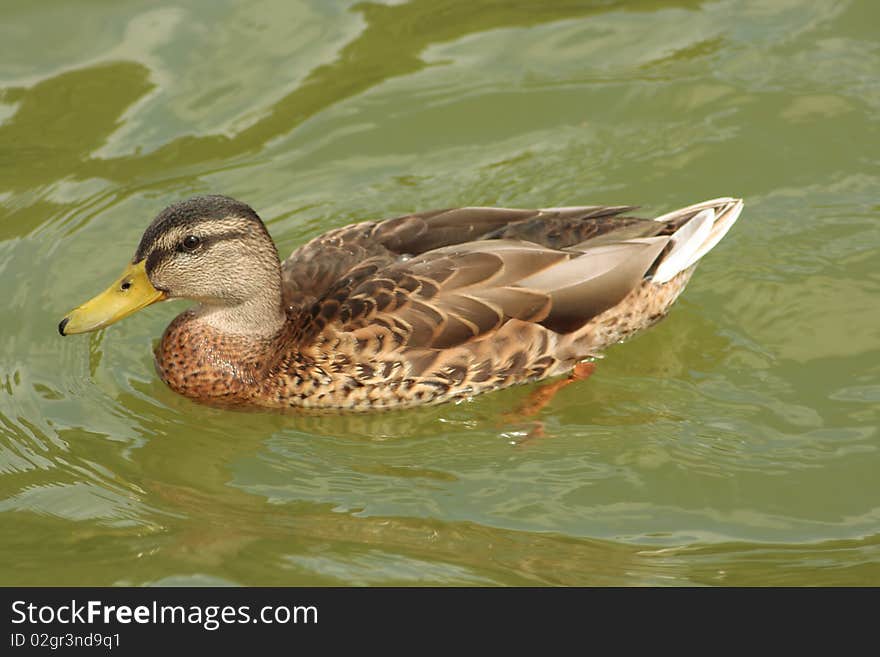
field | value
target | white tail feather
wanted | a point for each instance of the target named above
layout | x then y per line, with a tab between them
710	222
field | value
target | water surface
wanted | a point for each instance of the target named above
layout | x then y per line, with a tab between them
734	443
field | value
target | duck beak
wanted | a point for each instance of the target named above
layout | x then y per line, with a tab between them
129	293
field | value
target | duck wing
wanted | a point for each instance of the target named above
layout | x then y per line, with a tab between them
315	268
455	294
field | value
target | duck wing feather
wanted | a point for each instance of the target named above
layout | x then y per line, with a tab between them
454	294
317	266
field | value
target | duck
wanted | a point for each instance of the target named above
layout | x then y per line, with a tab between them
417	309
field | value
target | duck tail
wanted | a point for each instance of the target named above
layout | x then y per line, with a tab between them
698	228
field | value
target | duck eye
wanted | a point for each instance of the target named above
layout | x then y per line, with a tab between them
191	242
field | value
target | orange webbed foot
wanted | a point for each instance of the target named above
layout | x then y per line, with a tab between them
541	397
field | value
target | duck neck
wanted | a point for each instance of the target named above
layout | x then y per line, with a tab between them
259	317
206	355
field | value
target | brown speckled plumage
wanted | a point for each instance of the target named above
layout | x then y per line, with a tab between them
442	305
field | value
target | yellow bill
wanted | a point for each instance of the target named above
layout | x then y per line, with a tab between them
131	292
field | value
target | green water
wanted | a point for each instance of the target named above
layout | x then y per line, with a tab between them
734	443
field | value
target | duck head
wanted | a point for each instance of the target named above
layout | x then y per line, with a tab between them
213	250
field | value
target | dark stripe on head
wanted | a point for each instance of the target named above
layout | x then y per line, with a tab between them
189	214
210	240
159	254
153	260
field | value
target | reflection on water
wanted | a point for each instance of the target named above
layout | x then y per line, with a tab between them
735	443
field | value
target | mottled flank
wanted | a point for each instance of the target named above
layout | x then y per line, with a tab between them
443	305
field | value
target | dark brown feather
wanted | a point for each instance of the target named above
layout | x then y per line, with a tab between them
558	267
320	264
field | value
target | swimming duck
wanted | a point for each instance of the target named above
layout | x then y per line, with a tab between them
422	308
